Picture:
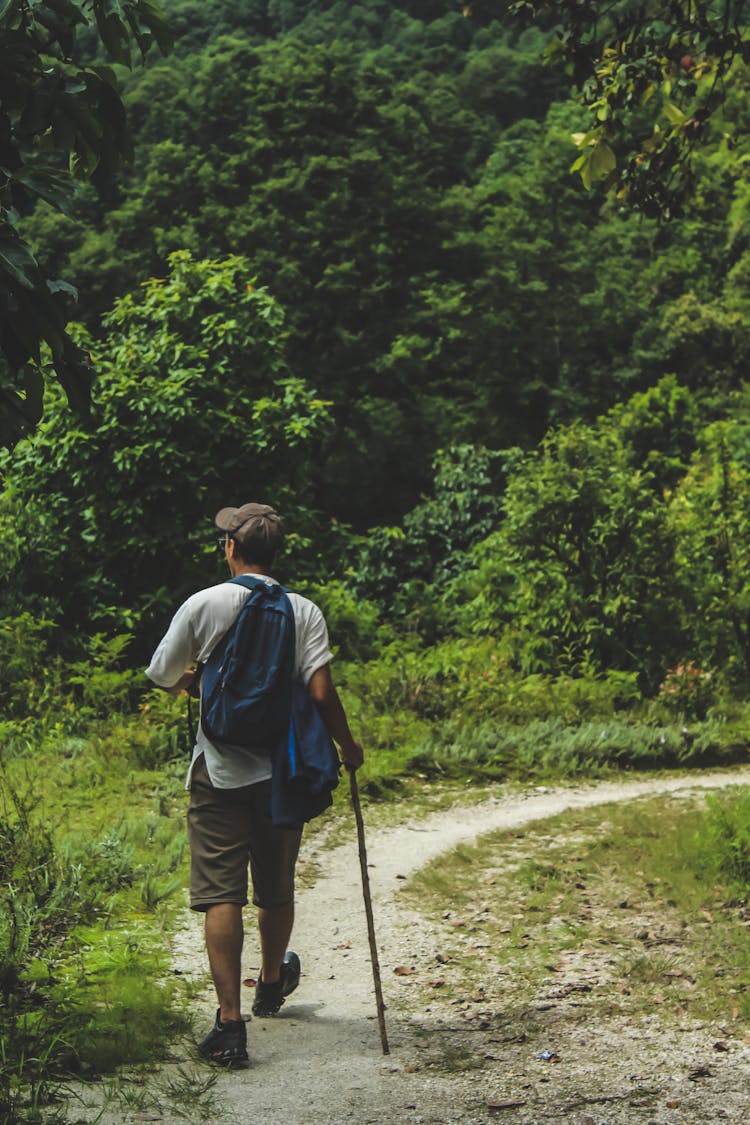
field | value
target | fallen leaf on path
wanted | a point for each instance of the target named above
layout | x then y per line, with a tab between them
720	1045
494	1106
700	1072
422	1043
344	945
403	971
436	983
250	982
674	1104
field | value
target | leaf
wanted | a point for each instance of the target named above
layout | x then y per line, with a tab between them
674	114
602	161
58	286
18	261
48	183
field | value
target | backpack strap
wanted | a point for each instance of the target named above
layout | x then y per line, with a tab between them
253	582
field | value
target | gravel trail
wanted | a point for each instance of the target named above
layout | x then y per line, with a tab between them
319	1062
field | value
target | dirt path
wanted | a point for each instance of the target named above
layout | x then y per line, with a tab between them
319	1062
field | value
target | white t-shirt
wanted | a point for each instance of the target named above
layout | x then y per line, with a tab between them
198	625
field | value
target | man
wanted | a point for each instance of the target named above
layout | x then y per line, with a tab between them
229	821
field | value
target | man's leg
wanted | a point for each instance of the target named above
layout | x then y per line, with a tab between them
275	926
224	936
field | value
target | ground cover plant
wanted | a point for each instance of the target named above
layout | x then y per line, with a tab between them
93	854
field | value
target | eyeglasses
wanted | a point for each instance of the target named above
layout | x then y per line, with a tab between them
221	543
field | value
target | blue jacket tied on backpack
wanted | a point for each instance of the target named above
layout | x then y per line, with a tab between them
305	766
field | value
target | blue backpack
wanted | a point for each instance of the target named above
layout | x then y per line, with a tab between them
246	683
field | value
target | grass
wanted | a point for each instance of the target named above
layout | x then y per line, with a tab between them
95	856
614	909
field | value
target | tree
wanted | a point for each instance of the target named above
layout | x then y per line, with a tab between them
575	572
60	119
651	75
710	514
193	407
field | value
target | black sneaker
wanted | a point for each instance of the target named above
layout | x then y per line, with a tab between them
270	997
226	1043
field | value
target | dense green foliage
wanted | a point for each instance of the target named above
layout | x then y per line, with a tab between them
55	110
193	395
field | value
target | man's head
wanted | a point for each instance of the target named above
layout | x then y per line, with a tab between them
255	530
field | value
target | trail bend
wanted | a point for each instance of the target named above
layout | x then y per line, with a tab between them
319	1062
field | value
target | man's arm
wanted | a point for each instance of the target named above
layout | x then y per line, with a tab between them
326	699
171	665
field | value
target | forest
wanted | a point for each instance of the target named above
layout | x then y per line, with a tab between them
352	271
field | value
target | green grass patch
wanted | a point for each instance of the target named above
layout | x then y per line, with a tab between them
92	858
551	749
620	908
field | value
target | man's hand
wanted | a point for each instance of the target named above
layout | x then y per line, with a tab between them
352	755
190	682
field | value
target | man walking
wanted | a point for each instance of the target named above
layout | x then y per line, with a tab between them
229	823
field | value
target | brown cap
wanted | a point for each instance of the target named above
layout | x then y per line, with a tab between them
252	523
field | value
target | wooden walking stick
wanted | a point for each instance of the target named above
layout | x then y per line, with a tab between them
368	910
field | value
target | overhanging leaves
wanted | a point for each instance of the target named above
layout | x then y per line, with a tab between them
652	76
59	119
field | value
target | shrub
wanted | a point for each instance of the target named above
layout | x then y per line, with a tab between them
725	838
553	748
30	677
77	989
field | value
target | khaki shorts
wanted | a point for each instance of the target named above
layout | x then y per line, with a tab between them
229	828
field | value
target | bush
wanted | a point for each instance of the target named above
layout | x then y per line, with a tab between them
78	989
553	748
396	563
353	623
30	678
725	838
192	387
574	576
